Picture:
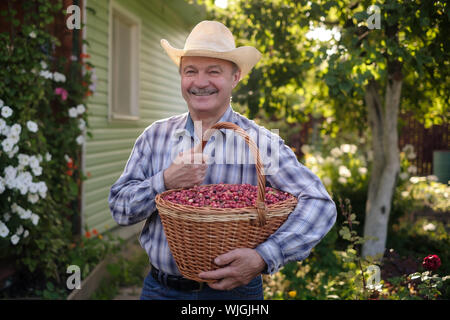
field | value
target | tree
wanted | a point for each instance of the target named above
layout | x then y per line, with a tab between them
379	61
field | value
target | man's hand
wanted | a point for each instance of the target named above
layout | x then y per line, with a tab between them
187	170
240	266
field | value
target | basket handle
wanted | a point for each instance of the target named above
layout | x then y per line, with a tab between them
260	200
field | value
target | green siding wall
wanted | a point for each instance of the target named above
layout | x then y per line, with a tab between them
107	152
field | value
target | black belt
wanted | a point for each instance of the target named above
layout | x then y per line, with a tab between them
175	282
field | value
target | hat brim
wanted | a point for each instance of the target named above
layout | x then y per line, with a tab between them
244	57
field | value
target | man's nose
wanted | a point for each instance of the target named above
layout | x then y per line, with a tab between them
202	80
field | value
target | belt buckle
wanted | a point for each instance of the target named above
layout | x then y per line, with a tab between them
201	286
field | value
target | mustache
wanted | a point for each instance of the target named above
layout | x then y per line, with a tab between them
202	90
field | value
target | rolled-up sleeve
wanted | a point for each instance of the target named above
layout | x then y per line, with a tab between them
312	218
132	196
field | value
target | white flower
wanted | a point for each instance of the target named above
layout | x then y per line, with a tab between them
67	158
6	112
320	160
25	178
345	148
37	171
336	152
377	287
19	230
2	125
408	148
33	187
4	231
432	178
26	233
43	65
327	181
404	176
34	219
342	180
14	207
1	103
6	217
25	214
414	180
81	109
32	126
16	129
429	227
305	149
42	188
344	172
15	239
311	160
80	140
59	77
32	34
73	113
46	74
5	130
82	124
362	170
10	174
2	185
48	157
412	155
23	188
33	198
8	144
34	162
412	169
13	152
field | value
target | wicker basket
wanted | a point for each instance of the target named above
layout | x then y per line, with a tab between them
197	235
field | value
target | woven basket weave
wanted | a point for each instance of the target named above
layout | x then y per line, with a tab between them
197	235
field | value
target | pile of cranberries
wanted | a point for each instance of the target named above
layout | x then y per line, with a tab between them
224	196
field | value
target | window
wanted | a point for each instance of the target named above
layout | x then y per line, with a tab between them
124	64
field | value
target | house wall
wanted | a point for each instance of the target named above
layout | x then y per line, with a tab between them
106	153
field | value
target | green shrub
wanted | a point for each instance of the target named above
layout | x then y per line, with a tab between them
42	121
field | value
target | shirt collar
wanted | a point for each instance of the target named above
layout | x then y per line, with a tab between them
226	117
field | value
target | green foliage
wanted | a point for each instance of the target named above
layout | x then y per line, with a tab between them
91	249
43	118
52	292
123	272
300	73
343	274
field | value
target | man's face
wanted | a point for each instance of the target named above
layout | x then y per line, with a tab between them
206	83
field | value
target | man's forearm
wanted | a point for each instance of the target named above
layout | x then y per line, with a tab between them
131	201
294	240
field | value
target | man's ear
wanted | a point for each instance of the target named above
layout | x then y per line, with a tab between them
236	77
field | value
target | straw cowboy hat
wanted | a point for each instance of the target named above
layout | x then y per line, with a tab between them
213	39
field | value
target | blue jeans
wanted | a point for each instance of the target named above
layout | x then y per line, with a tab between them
153	290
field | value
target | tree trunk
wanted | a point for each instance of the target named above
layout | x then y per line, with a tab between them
386	163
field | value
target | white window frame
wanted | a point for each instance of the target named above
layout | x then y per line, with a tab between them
135	52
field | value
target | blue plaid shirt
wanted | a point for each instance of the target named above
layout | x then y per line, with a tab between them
132	196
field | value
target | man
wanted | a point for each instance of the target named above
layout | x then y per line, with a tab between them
210	67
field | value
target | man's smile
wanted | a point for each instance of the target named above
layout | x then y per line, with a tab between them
203	92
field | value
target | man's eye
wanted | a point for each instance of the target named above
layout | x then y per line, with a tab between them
189	72
214	72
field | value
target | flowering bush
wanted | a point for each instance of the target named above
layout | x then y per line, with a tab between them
419	192
42	125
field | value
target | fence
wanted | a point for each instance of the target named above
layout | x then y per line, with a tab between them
424	140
